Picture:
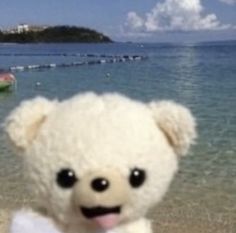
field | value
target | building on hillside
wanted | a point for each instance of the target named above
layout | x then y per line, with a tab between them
22	28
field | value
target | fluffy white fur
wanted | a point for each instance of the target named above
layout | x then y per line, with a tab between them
177	123
29	222
25	118
100	136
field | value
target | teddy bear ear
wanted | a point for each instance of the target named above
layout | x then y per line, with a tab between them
23	123
177	123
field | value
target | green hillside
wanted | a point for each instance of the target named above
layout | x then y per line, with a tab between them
57	34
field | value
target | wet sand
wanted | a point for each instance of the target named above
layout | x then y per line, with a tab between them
4	220
192	222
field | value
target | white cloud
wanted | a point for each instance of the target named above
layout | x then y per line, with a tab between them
229	2
174	15
134	20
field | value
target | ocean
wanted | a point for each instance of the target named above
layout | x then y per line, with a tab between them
201	76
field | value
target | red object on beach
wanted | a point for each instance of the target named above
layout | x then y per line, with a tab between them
7	80
9	77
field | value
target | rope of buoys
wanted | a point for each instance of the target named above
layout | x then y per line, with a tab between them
115	59
63	55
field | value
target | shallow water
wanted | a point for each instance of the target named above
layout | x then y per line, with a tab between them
201	76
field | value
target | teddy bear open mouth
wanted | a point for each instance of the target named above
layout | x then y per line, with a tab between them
99	211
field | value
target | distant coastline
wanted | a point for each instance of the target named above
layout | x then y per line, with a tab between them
56	34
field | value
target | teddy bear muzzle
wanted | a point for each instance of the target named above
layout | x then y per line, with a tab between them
100	198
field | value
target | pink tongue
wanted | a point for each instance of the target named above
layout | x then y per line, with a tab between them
107	221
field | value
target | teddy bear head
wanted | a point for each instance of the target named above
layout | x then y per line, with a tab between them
99	160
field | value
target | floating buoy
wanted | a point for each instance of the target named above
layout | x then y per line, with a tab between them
53	65
37	84
102	61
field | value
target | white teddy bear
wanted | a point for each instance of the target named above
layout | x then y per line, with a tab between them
97	163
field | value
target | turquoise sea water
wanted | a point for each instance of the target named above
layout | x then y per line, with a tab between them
200	76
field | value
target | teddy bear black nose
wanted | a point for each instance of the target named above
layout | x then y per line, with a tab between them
100	184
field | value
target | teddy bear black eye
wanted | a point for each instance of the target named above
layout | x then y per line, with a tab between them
137	177
66	178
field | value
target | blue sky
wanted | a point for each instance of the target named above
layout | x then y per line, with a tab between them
130	20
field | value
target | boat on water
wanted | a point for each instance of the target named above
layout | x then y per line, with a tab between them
7	80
